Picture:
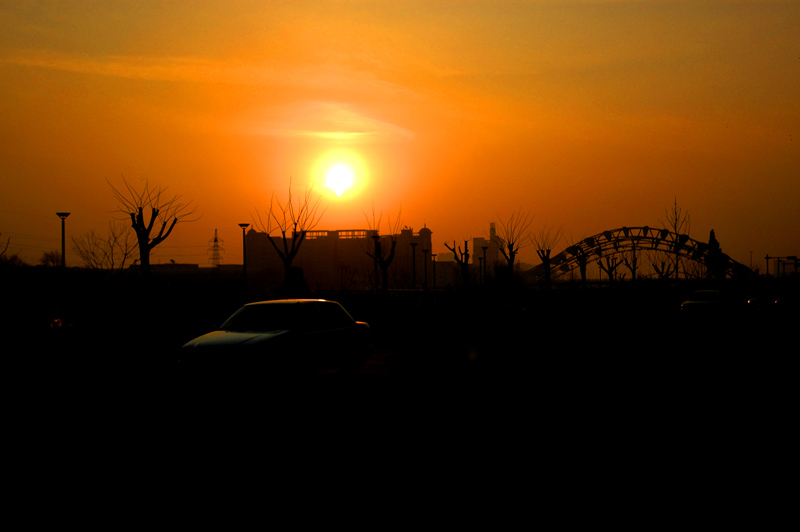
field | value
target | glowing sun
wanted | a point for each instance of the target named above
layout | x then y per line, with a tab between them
339	178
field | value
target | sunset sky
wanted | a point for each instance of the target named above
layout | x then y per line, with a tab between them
592	114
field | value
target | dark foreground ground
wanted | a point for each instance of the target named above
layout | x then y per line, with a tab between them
69	324
604	404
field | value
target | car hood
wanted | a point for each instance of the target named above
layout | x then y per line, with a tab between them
228	338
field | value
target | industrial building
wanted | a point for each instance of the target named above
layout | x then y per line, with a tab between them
343	259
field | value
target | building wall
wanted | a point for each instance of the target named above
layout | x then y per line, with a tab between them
338	260
492	252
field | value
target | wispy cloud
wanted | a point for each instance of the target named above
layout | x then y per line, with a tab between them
193	69
304	118
329	120
203	70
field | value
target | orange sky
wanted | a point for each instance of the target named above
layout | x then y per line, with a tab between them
591	114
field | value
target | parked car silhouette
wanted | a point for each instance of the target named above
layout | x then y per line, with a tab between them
306	336
706	303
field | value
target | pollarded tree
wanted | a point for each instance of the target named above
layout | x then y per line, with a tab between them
631	260
545	241
610	267
512	235
292	222
581	257
149	210
383	258
462	259
664	270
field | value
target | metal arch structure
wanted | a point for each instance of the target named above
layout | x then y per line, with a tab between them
629	239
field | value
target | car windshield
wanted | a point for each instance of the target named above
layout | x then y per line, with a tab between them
288	316
264	318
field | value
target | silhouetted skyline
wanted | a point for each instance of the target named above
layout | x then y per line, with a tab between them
592	115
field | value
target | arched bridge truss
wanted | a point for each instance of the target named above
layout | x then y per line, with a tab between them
632	240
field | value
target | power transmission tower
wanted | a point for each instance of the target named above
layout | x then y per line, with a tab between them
216	250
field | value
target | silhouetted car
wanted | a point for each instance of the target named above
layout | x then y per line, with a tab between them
305	336
704	302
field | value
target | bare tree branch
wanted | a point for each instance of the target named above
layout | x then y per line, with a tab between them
166	211
10	260
545	241
462	259
111	252
512	235
677	222
379	254
50	259
293	222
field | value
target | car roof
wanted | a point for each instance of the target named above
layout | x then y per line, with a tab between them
286	301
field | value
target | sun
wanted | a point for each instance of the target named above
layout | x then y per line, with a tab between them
339	178
342	173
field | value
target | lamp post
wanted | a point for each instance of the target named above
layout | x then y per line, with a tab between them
63	216
376	237
425	266
484	248
433	256
244	253
413	265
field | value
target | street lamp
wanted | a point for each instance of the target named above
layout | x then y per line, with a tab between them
63	216
377	254
484	248
433	256
413	265
244	253
425	265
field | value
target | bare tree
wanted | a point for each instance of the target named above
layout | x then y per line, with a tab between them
164	213
109	253
610	267
12	259
50	259
512	235
462	259
293	222
663	269
581	257
381	257
545	241
678	223
631	260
